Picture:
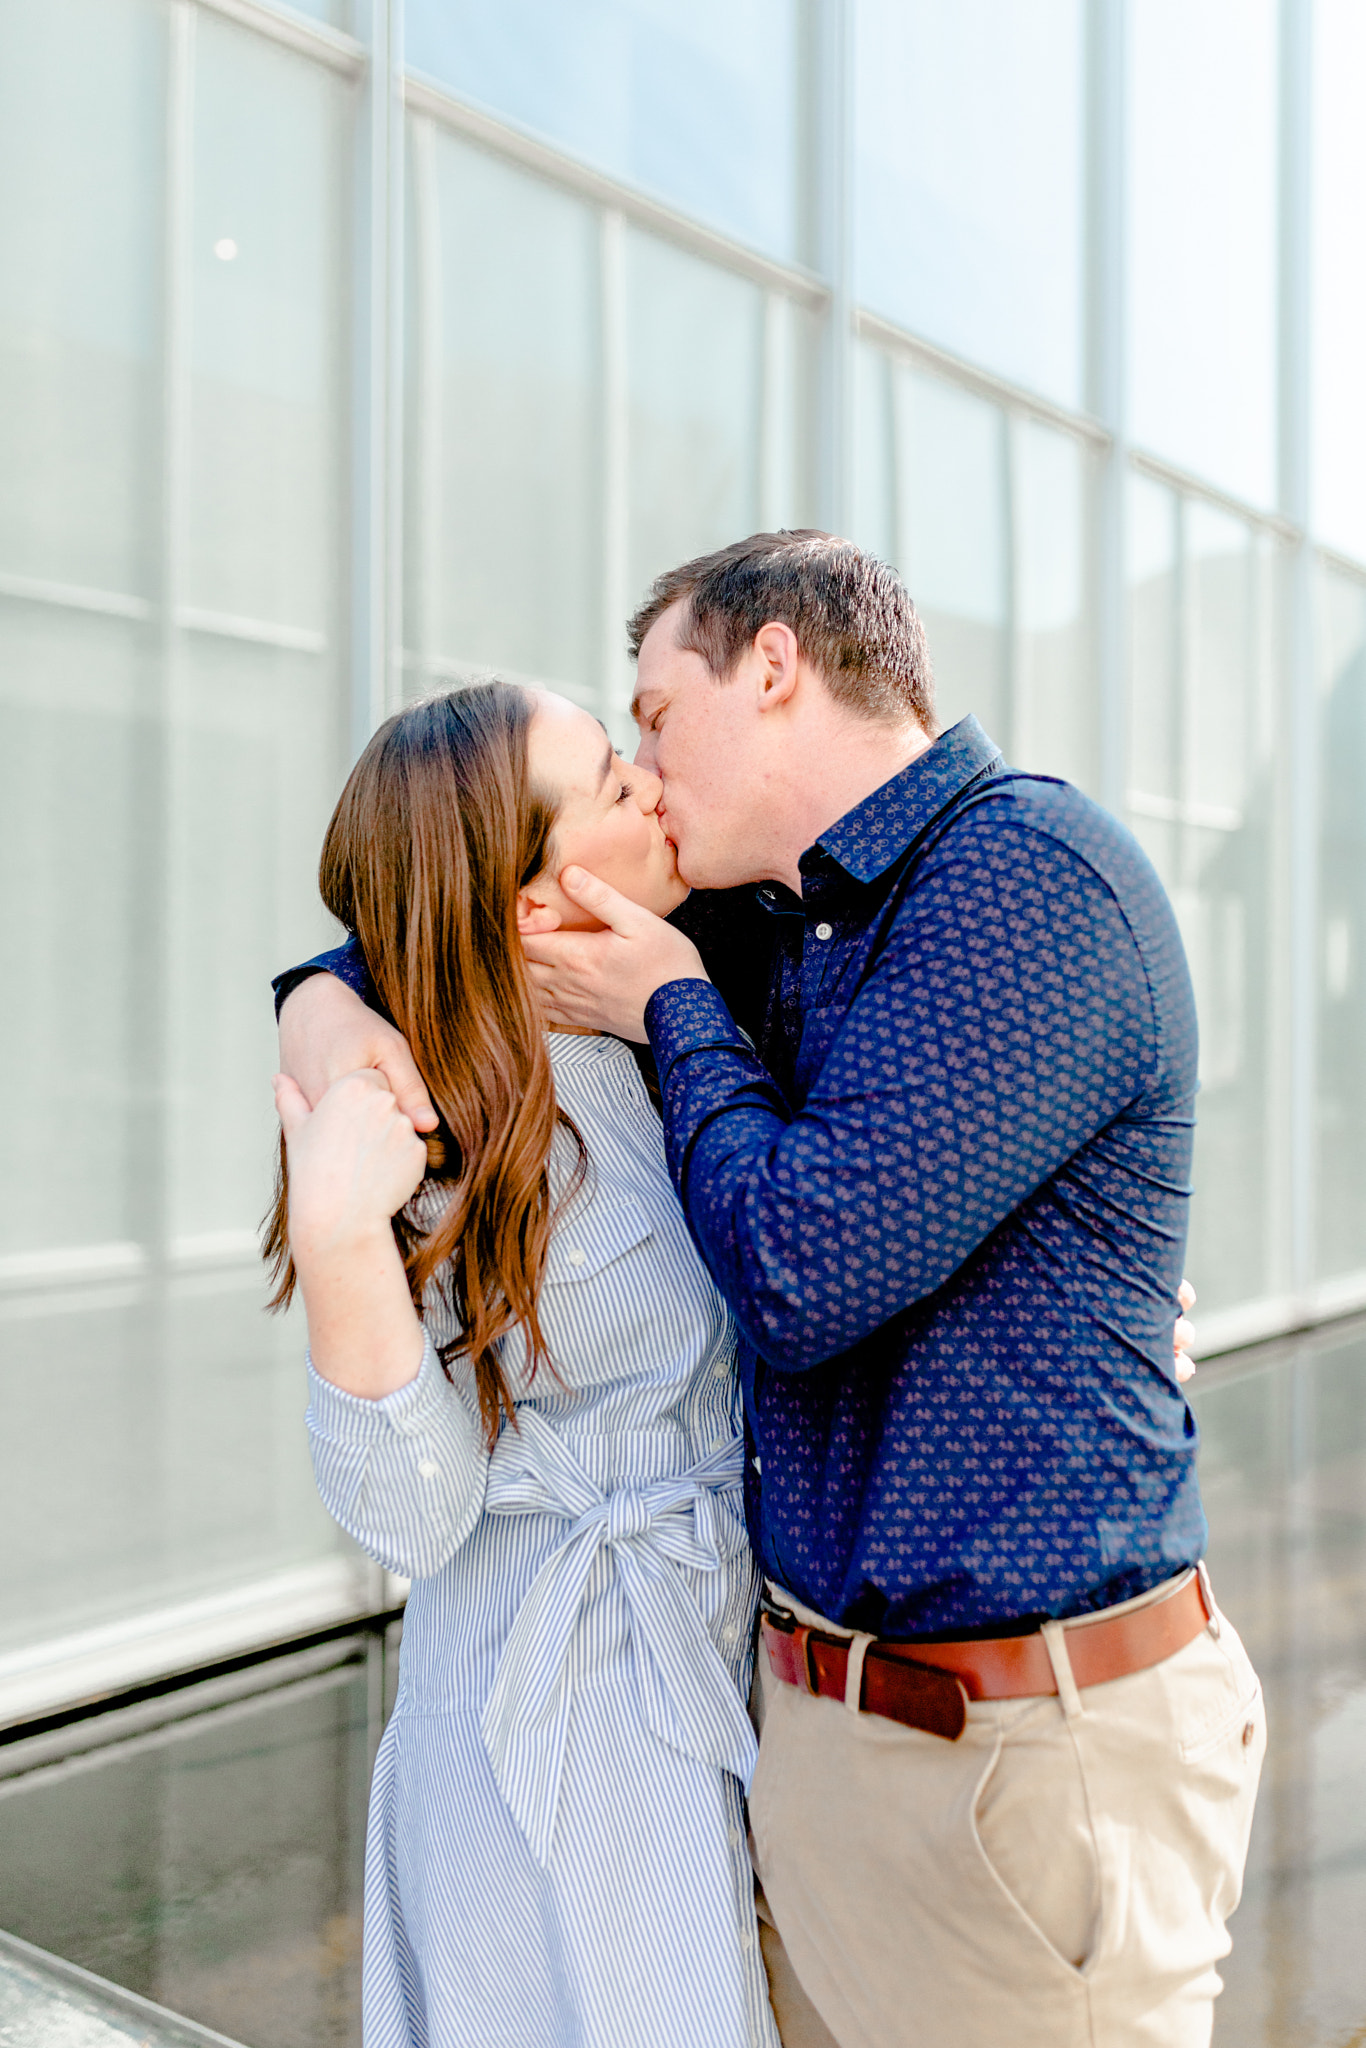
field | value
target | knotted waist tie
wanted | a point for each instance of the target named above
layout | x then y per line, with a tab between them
687	1697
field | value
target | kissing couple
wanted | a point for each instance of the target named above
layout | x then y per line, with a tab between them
748	1181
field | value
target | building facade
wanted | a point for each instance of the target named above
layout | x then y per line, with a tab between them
355	349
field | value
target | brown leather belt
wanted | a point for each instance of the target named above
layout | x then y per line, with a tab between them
928	1685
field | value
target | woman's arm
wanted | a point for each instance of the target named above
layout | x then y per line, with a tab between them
353	1163
400	1459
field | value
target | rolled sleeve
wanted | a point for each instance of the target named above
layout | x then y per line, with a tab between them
404	1475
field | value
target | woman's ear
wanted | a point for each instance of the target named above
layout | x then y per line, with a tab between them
534	916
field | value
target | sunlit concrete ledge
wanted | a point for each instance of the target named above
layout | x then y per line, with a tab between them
48	2003
86	1665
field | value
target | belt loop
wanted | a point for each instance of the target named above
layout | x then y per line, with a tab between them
1207	1594
1055	1642
853	1671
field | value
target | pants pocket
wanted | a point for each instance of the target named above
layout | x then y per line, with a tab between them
1031	1821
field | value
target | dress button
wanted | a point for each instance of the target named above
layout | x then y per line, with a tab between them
825	931
576	1255
734	1838
721	1369
429	1468
1248	1732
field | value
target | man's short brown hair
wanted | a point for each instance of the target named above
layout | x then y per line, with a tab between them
852	616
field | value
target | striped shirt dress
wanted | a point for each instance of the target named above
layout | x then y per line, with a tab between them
556	1852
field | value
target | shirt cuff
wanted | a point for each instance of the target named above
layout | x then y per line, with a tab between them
689	1016
408	1411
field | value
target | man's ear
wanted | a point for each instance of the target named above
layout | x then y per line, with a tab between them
778	654
533	916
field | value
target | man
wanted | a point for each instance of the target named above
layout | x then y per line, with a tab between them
928	1095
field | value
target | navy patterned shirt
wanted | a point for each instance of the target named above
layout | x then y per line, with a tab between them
945	1192
931	1125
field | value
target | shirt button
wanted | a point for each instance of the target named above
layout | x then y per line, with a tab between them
721	1369
825	931
429	1468
575	1255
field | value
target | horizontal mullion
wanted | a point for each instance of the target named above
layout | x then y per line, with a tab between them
572	175
294	32
119	604
1192	486
885	334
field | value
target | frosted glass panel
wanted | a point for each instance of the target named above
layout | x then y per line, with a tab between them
504	535
266	347
1056	723
933	500
1341	1108
969	137
696	103
1219	868
1339	322
81	135
172	710
694	360
1203	237
1154	765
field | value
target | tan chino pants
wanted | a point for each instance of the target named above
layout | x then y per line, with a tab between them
1058	1878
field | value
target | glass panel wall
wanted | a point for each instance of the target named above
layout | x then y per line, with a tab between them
172	322
1340	1236
1204	661
1202	234
586	406
504	540
1339	277
970	138
1056	723
699	104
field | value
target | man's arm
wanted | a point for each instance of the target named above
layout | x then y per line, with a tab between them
330	1025
1007	1021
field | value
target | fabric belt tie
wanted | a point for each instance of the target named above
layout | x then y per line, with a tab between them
687	1697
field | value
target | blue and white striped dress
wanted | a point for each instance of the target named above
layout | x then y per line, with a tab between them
556	1853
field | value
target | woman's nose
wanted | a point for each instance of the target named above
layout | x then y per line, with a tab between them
649	790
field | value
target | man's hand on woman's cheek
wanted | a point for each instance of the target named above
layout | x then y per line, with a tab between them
602	981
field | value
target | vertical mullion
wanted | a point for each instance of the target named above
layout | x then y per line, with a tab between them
833	144
1012	667
1106	312
427	441
1300	796
616	598
154	769
374	463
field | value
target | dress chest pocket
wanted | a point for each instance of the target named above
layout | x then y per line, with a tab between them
591	1236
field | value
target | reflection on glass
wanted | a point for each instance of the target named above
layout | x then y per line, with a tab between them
1055	730
1203	238
1202	799
170	704
694	386
504	516
969	198
1339	277
212	1864
1283	1472
1340	1235
698	104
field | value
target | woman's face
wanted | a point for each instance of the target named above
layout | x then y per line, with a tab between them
606	819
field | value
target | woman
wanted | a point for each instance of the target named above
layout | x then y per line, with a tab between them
523	1398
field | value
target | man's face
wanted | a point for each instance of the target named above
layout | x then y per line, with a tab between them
702	738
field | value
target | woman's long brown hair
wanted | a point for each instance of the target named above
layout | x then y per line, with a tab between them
437	829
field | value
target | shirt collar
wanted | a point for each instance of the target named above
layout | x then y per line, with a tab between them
866	840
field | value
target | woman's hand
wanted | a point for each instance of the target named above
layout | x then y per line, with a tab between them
1183	1339
353	1163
